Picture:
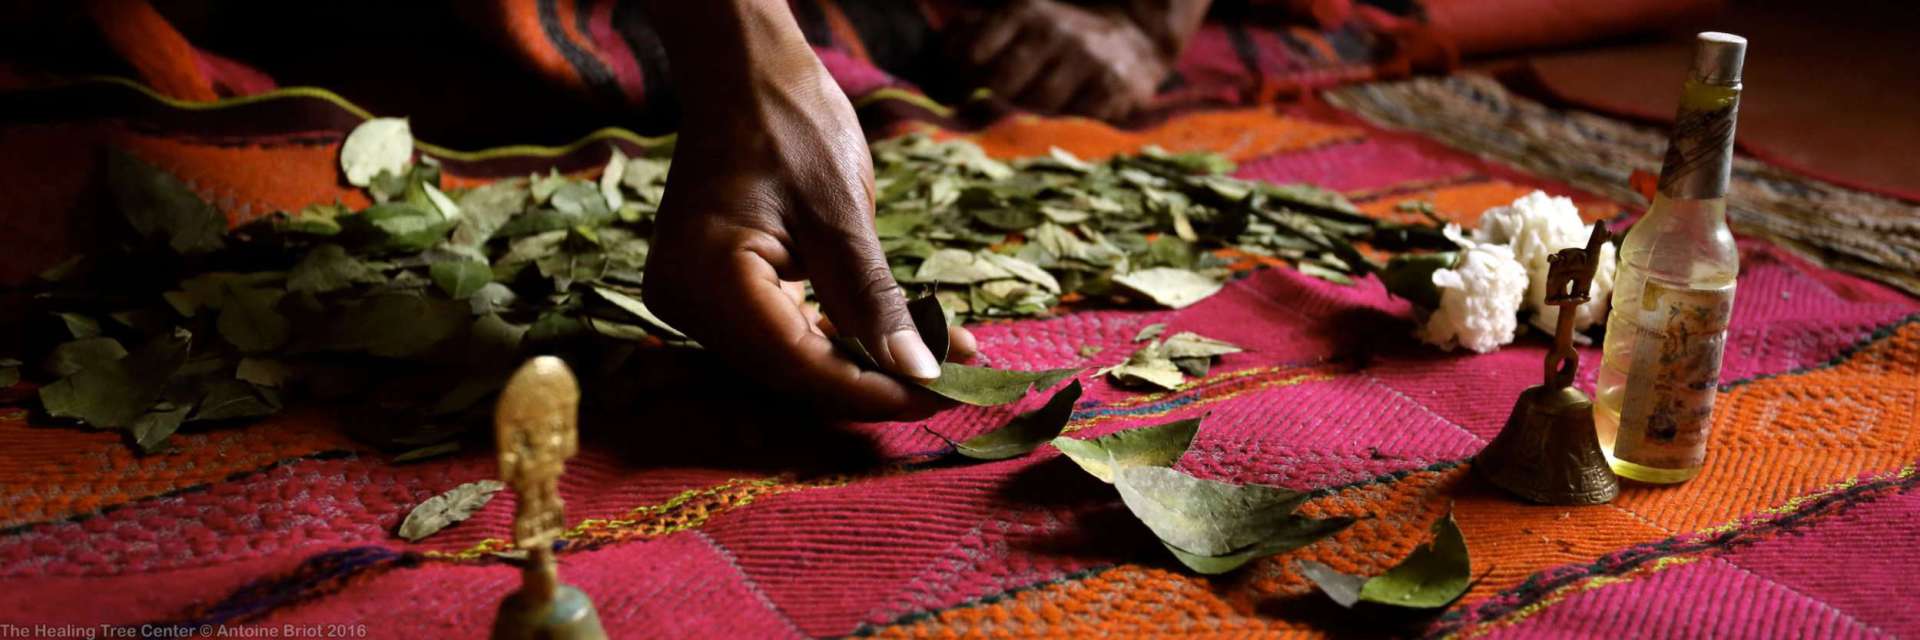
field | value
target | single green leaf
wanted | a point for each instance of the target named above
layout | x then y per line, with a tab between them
582	202
159	205
1205	517
1188	344
485	209
153	427
958	266
231	399
72	357
401	227
114	394
931	321
249	320
449	210
1147	366
1433	576
9	376
377	145
1298	532
1024	270
1410	276
639	309
460	279
1169	287
1026	431
1155	446
442	511
981	386
1150	332
78	325
1196	367
328	268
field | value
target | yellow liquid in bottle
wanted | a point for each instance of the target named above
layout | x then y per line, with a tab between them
1660	364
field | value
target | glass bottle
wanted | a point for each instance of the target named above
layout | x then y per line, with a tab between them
1673	291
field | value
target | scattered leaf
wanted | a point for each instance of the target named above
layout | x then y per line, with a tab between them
1188	344
1169	287
1150	332
1147	366
1155	446
442	511
931	322
1204	517
1433	576
981	386
1298	532
1026	431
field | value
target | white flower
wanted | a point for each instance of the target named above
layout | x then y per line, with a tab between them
1536	226
1479	298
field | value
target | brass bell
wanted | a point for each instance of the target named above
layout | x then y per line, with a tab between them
536	427
1549	451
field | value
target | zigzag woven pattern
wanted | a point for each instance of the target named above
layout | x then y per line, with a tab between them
1801	525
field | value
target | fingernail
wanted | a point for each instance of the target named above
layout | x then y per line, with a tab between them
911	357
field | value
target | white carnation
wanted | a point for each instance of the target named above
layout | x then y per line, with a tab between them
1536	226
1479	298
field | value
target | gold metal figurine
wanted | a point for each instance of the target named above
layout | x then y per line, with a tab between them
1549	452
536	427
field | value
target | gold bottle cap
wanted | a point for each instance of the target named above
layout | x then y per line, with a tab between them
1718	57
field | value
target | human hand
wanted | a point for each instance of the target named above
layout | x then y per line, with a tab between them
1055	57
771	185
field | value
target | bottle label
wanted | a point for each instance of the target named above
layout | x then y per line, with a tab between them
1674	374
1700	150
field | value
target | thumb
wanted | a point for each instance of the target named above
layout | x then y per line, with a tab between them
856	288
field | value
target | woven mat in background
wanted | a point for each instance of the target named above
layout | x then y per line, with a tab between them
697	516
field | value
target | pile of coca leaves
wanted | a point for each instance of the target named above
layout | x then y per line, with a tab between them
417	306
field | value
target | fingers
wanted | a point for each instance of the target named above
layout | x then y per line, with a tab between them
992	35
1061	82
758	327
1101	98
964	345
856	288
1032	54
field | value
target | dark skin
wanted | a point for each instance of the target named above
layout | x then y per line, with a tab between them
772	185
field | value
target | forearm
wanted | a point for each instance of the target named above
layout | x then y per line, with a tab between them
718	49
